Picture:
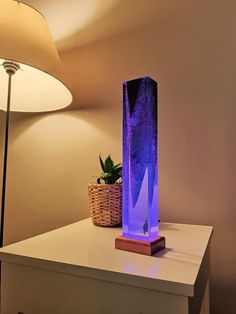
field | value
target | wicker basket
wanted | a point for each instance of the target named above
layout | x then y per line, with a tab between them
105	202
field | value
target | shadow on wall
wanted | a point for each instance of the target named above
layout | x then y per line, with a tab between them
86	117
52	158
103	19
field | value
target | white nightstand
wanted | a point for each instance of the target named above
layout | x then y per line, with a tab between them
77	270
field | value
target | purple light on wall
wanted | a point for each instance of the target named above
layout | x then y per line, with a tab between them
140	170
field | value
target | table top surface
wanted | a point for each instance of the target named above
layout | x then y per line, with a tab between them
86	250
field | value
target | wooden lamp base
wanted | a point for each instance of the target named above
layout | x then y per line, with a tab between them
140	246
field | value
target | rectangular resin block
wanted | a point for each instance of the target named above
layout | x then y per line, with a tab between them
140	166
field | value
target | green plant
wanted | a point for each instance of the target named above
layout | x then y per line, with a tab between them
111	173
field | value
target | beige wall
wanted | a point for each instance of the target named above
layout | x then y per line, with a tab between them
52	157
192	56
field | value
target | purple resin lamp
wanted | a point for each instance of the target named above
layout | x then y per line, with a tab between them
140	169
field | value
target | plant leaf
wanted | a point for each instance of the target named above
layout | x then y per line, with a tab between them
117	166
114	170
109	164
102	163
105	175
117	172
111	173
114	178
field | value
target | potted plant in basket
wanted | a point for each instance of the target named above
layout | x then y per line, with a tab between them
105	196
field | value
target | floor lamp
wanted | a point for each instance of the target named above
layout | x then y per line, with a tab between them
29	71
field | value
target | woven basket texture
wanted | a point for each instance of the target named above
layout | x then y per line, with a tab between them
105	202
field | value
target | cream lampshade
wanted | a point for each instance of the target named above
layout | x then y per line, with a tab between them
26	40
29	70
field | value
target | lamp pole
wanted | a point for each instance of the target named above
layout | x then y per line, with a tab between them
10	68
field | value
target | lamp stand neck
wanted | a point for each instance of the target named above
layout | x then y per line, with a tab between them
11	68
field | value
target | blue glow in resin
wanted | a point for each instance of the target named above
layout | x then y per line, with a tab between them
140	171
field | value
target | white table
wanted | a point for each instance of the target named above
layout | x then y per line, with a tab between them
76	269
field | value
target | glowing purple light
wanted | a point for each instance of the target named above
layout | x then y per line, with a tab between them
140	171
